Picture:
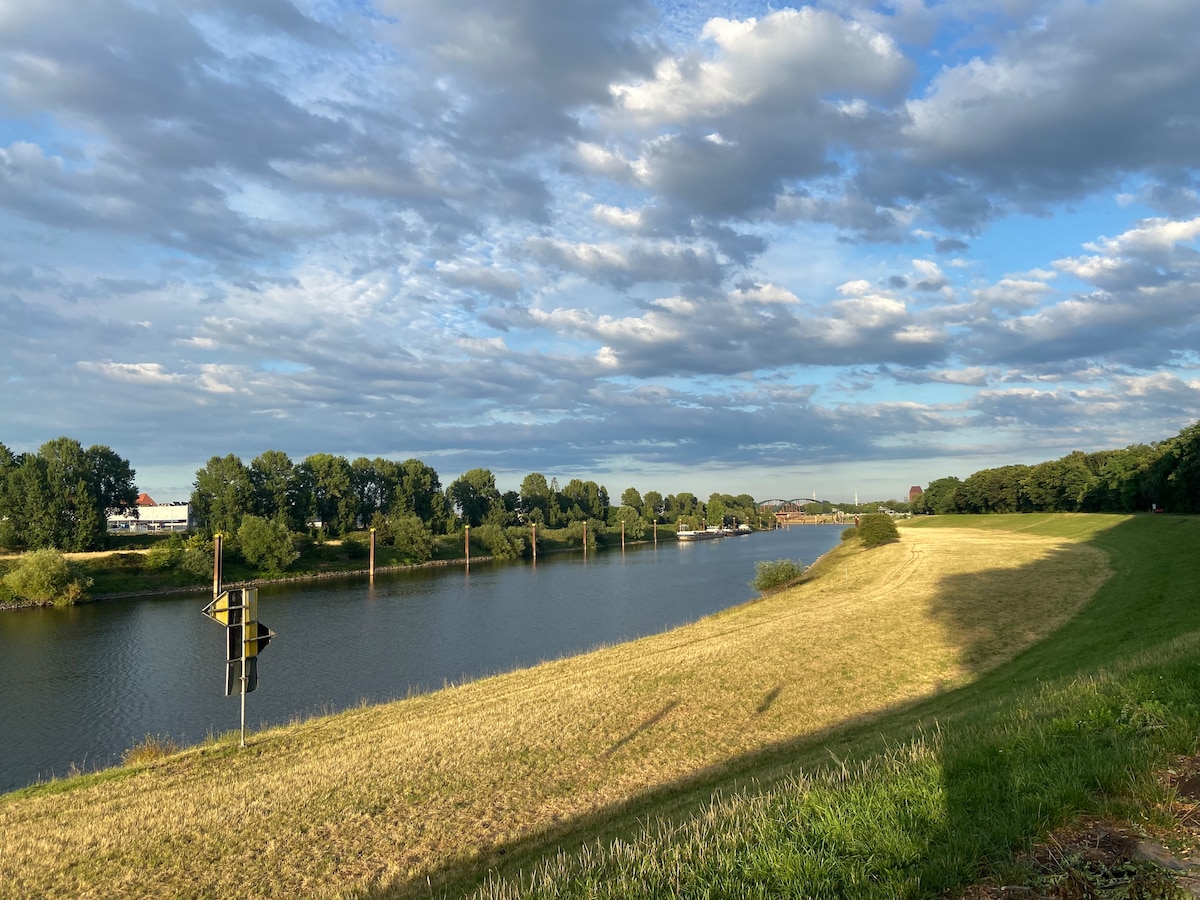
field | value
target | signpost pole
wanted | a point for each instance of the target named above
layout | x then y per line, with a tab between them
242	742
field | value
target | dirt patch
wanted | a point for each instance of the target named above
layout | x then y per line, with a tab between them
1098	859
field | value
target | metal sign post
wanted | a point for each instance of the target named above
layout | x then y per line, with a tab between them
245	636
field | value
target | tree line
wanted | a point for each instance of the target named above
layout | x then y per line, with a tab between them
407	505
1163	475
61	495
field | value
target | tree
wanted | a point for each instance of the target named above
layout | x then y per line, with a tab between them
538	503
631	518
420	493
631	498
266	543
62	495
374	482
652	506
681	506
222	495
474	493
278	491
941	496
8	526
334	502
715	511
580	500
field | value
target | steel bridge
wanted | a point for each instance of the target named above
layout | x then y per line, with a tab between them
799	511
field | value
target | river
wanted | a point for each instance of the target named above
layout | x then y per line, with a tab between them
82	684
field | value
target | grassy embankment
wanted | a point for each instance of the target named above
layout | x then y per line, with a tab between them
894	727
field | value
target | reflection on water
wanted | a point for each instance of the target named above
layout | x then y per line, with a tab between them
83	684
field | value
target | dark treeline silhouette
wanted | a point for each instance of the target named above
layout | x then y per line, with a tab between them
1142	477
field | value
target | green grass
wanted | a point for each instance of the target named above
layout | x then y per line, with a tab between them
934	796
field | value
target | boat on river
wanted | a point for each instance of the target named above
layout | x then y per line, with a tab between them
686	534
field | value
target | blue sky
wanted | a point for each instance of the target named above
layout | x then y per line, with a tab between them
834	249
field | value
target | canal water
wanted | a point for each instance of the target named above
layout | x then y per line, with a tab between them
82	684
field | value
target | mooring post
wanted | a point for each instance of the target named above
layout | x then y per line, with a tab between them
216	565
372	554
467	544
533	539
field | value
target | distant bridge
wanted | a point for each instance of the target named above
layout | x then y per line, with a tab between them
799	510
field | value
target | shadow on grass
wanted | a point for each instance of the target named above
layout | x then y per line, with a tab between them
986	768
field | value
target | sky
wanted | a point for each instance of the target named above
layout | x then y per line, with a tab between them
680	246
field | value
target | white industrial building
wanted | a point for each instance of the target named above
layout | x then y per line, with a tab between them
153	516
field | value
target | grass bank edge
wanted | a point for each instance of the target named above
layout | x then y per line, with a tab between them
944	808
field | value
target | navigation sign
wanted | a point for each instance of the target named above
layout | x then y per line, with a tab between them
237	610
245	637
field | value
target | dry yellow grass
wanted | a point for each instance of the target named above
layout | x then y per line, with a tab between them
378	797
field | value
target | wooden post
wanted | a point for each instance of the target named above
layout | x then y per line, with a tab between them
467	543
585	539
372	554
533	540
656	532
622	535
216	565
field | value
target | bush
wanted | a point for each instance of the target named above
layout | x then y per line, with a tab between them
165	554
266	544
498	541
355	546
876	529
197	558
412	538
44	576
777	573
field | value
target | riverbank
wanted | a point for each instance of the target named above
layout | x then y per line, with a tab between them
327	560
431	792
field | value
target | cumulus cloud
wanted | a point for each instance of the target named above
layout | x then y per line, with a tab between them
561	235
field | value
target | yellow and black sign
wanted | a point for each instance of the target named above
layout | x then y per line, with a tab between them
237	610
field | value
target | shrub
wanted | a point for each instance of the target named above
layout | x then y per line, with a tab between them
266	544
152	749
165	554
772	574
44	576
355	546
876	529
498	541
197	558
412	538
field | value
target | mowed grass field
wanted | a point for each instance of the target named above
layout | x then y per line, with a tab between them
862	665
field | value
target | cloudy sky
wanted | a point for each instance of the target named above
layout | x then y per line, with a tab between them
696	246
